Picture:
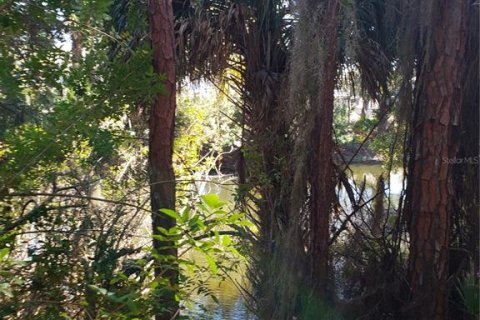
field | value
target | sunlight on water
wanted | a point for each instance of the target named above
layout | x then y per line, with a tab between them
231	303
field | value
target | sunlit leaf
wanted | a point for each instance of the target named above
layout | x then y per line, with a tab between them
213	201
212	264
4	252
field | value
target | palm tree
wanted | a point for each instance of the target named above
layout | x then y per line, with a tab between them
313	78
287	118
250	38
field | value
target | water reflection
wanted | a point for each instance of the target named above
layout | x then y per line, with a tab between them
231	304
373	171
369	174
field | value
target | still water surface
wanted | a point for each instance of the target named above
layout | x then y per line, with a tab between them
231	303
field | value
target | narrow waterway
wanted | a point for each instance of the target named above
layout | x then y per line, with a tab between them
231	303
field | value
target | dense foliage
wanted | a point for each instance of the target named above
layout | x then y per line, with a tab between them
277	102
74	235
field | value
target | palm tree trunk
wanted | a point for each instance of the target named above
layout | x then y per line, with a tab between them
322	183
161	124
438	106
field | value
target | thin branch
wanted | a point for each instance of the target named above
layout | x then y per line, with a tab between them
46	194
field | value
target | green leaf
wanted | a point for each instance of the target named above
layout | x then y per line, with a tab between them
244	223
170	232
213	201
160	237
99	290
186	214
134	308
212	264
170	213
226	240
4	252
236	217
153	284
196	224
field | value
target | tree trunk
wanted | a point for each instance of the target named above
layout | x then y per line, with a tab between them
322	183
438	104
378	209
161	124
464	241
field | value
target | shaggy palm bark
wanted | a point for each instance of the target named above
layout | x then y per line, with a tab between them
312	82
264	81
323	183
250	39
161	124
438	107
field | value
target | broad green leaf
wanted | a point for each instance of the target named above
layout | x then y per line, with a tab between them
170	213
244	223
235	217
213	201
